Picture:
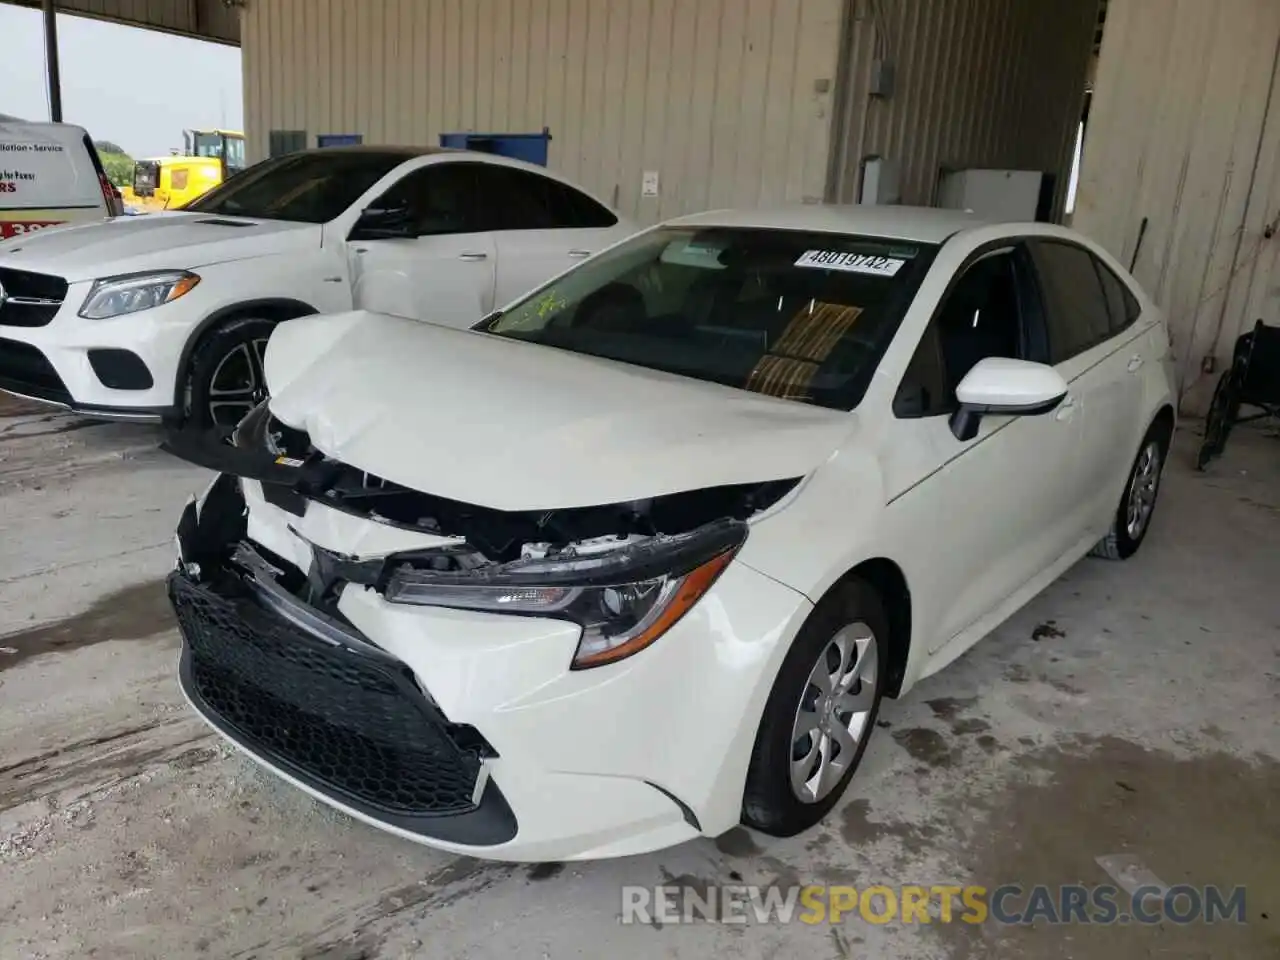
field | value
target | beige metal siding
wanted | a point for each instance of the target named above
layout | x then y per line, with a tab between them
1184	130
978	83
204	19
720	97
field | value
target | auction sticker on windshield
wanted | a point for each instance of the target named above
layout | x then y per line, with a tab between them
850	262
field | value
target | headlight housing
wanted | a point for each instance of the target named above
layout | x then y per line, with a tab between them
624	599
117	296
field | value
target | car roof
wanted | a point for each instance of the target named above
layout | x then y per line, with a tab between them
390	149
918	224
8	121
405	153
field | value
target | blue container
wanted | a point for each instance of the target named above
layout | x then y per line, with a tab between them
529	147
339	139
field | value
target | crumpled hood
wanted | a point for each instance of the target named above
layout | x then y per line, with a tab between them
156	241
515	426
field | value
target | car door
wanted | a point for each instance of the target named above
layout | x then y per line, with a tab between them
984	516
1100	355
443	273
541	227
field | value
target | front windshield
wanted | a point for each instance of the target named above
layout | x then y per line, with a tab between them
307	187
797	315
208	145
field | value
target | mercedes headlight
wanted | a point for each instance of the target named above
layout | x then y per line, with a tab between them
623	599
116	296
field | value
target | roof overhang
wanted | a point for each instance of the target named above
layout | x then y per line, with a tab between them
214	20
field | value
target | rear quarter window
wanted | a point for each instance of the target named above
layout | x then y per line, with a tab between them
1122	306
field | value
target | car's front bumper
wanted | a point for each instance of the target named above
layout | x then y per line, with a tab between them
53	363
616	760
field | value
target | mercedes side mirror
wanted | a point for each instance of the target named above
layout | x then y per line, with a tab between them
1005	387
383	223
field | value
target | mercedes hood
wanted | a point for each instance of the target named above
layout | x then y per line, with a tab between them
515	426
157	241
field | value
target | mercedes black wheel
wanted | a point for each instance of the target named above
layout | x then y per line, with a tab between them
226	377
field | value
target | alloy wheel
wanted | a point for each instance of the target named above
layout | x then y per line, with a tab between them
831	719
1142	491
238	383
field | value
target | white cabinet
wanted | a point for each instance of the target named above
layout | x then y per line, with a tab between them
993	194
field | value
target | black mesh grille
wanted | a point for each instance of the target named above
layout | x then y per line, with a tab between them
24	369
19	285
352	724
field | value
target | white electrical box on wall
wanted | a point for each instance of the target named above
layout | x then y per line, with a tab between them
993	194
879	181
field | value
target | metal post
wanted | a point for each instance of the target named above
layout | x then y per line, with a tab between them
51	61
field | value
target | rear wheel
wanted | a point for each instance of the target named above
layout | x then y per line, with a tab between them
226	378
1132	519
820	714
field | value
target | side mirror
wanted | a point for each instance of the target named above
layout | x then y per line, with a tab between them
383	223
1006	387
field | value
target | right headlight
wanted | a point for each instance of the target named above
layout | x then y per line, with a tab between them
117	296
624	599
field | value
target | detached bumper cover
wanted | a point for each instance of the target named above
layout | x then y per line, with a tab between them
344	719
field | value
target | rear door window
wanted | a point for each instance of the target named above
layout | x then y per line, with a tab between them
573	208
522	200
514	199
1076	308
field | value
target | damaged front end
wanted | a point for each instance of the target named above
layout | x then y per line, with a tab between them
305	693
624	572
270	660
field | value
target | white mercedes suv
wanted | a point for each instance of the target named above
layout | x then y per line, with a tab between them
167	315
637	558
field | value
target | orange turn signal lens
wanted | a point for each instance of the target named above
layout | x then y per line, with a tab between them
182	287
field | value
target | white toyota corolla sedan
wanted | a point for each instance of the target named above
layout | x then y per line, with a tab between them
636	559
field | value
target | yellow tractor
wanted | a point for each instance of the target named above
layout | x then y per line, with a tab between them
169	183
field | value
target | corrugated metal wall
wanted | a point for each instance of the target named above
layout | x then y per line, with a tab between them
728	100
978	83
1184	130
204	19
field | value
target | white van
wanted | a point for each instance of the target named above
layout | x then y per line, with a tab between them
50	175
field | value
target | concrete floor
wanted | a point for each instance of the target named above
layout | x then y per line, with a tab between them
1131	709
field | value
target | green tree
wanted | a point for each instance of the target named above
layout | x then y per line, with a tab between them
115	161
119	167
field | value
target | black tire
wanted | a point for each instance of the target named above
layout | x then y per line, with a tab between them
230	349
1119	543
769	802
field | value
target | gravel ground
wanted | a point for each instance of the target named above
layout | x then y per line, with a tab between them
1130	710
